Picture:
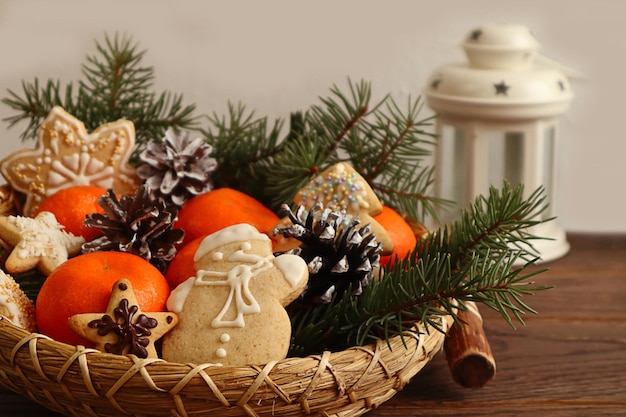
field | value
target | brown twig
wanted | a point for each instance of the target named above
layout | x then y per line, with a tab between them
467	350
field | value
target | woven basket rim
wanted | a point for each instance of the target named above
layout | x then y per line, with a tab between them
79	381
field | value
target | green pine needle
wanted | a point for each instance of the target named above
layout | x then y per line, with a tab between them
245	147
476	258
115	86
467	261
387	145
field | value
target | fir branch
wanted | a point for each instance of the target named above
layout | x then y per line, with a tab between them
405	190
115	75
315	141
464	262
391	158
340	117
384	143
498	223
36	104
293	169
395	134
244	147
115	86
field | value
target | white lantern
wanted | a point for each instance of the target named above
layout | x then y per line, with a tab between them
497	118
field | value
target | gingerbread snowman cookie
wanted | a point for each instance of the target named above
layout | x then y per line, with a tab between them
232	312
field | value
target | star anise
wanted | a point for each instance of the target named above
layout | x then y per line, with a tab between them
131	336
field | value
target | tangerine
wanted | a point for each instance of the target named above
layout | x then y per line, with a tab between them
214	210
400	232
71	206
83	285
182	266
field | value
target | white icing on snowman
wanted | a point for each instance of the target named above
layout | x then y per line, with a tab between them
291	267
177	297
238	278
222	352
253	285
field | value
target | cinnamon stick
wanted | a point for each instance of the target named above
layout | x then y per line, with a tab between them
467	350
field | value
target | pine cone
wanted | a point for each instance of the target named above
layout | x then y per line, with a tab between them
177	168
340	255
137	224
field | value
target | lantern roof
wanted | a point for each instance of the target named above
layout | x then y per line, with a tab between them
500	79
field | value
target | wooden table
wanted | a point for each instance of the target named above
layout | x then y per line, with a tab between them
570	360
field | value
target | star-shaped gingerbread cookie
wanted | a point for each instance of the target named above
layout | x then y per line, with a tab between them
37	242
123	329
67	155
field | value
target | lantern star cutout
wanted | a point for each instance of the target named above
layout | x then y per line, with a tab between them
37	242
123	329
475	35
67	155
502	88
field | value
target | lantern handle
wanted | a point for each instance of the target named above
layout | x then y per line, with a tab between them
570	72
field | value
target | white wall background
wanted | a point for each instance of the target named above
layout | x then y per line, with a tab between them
279	56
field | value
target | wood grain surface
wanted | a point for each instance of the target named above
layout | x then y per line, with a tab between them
569	360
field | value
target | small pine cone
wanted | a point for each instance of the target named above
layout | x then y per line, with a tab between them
177	168
137	224
340	255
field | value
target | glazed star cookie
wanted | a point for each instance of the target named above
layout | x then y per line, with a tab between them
341	188
37	242
233	311
15	305
67	155
123	329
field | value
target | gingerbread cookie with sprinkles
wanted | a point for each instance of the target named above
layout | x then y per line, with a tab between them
341	188
67	155
15	304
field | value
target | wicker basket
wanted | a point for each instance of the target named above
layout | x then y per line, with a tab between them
78	381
